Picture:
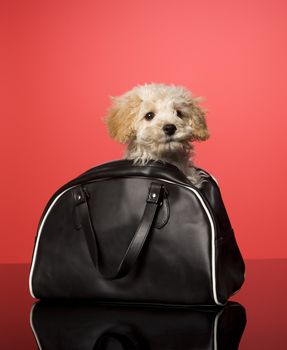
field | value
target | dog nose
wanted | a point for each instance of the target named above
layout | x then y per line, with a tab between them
169	129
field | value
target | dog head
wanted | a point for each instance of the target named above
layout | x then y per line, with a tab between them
157	117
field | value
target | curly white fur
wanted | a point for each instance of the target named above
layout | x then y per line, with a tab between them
138	117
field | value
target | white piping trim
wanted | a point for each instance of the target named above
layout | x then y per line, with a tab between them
38	239
214	179
212	238
209	174
33	328
215	329
164	180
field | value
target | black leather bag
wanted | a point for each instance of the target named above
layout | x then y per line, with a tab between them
88	326
140	234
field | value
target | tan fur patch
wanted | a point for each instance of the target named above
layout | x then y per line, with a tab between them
198	123
121	115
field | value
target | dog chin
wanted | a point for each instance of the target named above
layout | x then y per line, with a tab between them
170	146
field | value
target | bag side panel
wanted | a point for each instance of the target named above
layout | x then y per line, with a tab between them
230	267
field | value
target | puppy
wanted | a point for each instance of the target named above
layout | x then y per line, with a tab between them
159	122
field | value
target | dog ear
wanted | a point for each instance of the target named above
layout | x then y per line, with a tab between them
197	121
121	115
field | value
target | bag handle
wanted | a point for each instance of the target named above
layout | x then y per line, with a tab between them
153	202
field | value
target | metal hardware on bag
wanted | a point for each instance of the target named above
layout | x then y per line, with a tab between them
80	194
156	192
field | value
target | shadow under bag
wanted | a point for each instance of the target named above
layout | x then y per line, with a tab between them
139	234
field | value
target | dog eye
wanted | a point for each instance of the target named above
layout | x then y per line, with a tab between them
149	116
179	114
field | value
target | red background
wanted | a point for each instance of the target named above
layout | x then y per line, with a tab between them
61	60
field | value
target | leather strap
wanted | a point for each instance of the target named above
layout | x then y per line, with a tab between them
153	201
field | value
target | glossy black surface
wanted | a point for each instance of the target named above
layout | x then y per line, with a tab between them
91	326
263	296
